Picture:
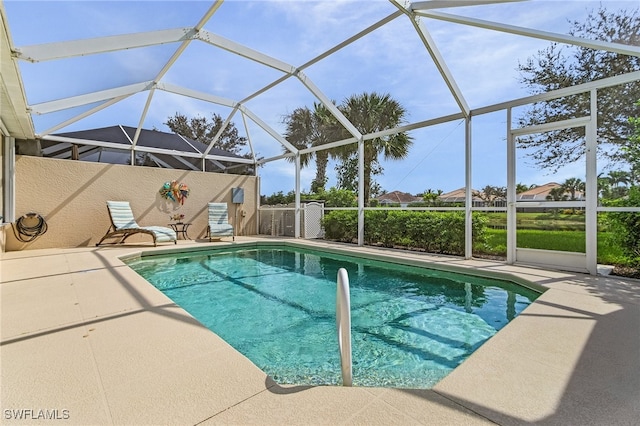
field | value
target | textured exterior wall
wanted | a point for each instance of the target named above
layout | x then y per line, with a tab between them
2	183
71	196
4	228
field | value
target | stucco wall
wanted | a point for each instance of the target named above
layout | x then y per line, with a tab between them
2	142
71	196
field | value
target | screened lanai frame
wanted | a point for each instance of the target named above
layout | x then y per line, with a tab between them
415	12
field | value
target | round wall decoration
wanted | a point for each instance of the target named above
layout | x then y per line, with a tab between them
174	191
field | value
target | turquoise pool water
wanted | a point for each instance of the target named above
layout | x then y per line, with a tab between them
411	326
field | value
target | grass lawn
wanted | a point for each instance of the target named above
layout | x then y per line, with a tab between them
573	241
551	221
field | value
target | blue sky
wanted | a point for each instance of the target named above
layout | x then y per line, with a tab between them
390	60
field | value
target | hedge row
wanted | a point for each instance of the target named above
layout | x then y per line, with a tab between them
626	226
435	232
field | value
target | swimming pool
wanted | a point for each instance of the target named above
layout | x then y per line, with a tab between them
411	326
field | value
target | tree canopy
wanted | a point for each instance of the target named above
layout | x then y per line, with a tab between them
560	66
369	113
204	130
632	150
308	128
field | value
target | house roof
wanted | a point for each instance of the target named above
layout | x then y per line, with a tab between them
537	193
398	197
457	196
540	193
113	136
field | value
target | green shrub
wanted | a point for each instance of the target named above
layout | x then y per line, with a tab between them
439	232
334	197
341	225
626	226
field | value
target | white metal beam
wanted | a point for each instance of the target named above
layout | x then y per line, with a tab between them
361	200
268	129
121	147
328	104
88	150
440	4
438	60
619	209
552	204
567	91
132	152
246	130
215	162
185	140
222	128
275	158
62	150
431	122
159	162
83	115
351	39
591	187
468	196
89	98
296	218
186	163
92	46
511	192
265	88
245	52
555	125
329	145
324	55
172	88
143	116
208	14
544	35
413	126
106	44
386	132
220	165
167	66
213	157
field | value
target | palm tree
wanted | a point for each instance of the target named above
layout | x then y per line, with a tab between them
604	186
617	177
370	113
521	187
557	194
306	129
490	194
573	186
431	196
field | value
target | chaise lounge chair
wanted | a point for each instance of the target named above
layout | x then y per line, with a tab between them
123	225
219	225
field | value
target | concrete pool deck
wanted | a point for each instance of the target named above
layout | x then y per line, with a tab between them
85	340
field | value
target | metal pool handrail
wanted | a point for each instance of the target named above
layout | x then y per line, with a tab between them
343	323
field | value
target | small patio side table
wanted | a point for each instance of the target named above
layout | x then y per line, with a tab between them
181	229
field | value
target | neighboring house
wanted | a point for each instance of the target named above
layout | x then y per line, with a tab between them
458	197
542	192
397	197
537	194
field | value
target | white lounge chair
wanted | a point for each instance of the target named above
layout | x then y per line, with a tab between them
219	225
123	225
